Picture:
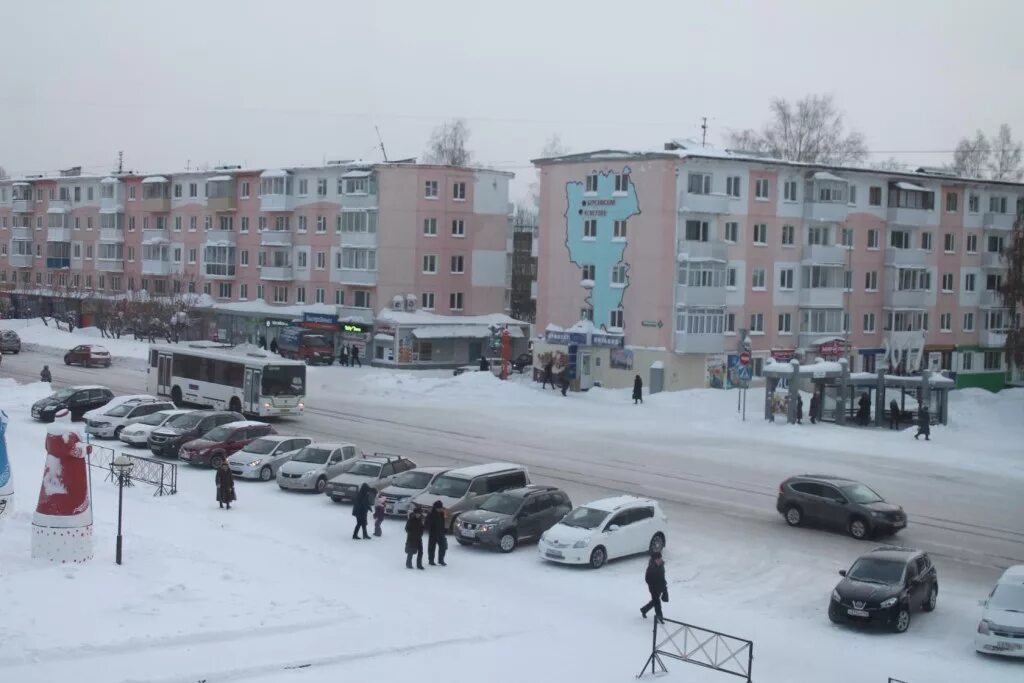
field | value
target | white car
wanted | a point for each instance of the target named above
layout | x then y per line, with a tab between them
311	467
110	421
137	430
116	401
263	457
604	530
1001	629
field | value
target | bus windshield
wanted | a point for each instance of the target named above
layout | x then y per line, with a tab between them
284	380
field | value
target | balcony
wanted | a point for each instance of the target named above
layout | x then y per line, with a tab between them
156	267
21	233
990	339
110	265
997	221
157	205
825	255
993	260
704	203
115	202
277	202
21	205
350	276
907	257
220	271
58	262
220	193
20	260
156	195
117	235
907	217
58	234
699	343
360	239
820	297
907	298
155	236
58	205
276	238
826	212
221	238
692	250
283	273
700	296
990	298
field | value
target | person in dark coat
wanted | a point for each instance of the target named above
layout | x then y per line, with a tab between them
814	407
638	390
894	414
44	375
484	365
355	356
414	539
549	375
273	346
799	410
656	585
436	539
564	381
378	515
361	508
864	410
343	356
924	423
263	342
225	486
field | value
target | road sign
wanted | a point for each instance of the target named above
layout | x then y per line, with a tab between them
745	358
745	373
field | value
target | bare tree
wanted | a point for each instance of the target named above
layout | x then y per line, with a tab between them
1005	162
810	130
3	173
890	164
448	144
553	147
970	158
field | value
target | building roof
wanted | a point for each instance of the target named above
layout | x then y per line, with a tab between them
427	318
605	155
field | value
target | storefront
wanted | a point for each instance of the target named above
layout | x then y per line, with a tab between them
418	339
256	322
981	367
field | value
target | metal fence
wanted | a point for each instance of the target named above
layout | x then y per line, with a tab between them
700	646
157	473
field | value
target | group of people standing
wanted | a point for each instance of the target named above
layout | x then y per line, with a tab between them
349	356
433	523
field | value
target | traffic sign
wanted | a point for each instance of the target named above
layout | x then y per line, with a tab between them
745	373
745	358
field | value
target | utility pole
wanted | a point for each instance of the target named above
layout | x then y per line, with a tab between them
381	141
704	132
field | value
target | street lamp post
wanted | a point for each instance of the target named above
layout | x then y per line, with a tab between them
122	466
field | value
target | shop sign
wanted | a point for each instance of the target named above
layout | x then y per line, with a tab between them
384	328
607	341
832	349
783	355
651	323
565	338
356	327
320	318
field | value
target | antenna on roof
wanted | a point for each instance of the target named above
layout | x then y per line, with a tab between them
381	141
704	131
120	163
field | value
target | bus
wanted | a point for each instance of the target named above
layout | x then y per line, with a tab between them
245	379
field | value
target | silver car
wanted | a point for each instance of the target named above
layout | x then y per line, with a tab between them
311	467
263	457
376	471
136	431
397	497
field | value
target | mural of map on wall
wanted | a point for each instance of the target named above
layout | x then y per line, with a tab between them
590	236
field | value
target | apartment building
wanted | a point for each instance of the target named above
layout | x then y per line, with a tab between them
269	243
672	257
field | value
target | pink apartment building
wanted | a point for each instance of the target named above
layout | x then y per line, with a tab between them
344	239
669	257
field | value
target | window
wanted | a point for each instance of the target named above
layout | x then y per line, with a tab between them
949	242
698	183
339	297
732	231
848	280
280	294
997	204
321	260
359	221
696	231
968	322
243	257
88	194
730	322
589	271
732	186
872	239
871	281
177	190
587	314
785	323
430	189
243	290
926	241
192	224
225	290
967	361
192	255
757	278
913	279
193	189
591	182
622	182
947	282
619	275
615	319
459	192
992	360
875	196
853	195
359	258
321	224
700	274
760	234
459	228
973	203
789	191
321	187
430	263
590	229
993	282
757	322
786	278
457	265
969	282
951	201
303	187
131	223
730	278
946	322
300	295
701	321
430	227
301	259
788	235
319	294
994	244
761	189
177	254
302	224
899	239
219	260
427	301
972	244
131	193
244	191
869	323
208	222
847	238
131	255
619	232
455	301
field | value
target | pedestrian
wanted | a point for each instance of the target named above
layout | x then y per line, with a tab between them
814	408
924	424
864	409
273	346
263	341
656	586
549	375
44	375
361	508
894	414
343	356
799	409
638	390
484	365
225	486
564	381
414	539
355	356
378	515
436	539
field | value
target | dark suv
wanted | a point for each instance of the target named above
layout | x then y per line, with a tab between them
839	503
214	447
77	400
883	587
504	519
169	439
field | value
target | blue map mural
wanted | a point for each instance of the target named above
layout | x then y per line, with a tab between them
605	206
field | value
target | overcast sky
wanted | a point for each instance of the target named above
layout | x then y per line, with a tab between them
300	81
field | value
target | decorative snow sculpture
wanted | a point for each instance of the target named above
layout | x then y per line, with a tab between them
62	524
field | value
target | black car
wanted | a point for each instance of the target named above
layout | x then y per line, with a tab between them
506	518
883	587
839	503
179	430
522	361
77	400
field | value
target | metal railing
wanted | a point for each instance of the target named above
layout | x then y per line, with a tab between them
703	647
157	473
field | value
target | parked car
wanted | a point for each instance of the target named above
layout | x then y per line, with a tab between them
77	400
378	471
10	342
109	423
263	457
116	401
216	445
522	361
839	503
1001	629
883	587
167	440
604	530
137	431
300	343
461	490
504	520
404	487
311	467
86	355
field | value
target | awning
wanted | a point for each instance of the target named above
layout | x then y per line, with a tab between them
219	179
911	187
274	173
356	174
825	175
154	179
383	337
451	332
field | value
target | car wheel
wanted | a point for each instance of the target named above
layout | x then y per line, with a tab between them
902	622
933	598
67	360
234	405
176	395
451	525
336	499
598	557
794	516
117	432
266	473
507	542
832	615
657	543
859	528
216	460
463	541
107	365
321	484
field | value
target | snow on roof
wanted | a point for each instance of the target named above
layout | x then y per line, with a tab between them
911	187
154	179
819	365
553	328
261	306
426	318
383	337
584	326
357	174
109	180
219	179
825	175
156	240
274	173
450	332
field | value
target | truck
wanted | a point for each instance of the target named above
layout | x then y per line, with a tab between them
311	346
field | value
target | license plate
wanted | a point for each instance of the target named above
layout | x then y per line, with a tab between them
468	533
555	554
286	410
856	613
1003	647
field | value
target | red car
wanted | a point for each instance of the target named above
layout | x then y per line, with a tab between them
88	354
216	445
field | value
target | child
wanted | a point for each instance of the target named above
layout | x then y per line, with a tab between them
378	515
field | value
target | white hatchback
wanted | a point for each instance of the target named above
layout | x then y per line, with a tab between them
1001	629
261	458
604	530
109	423
136	431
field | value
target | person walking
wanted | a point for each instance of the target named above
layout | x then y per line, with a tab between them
564	381
656	586
894	414
436	539
44	375
355	356
549	375
924	423
273	346
814	407
799	409
361	508
343	356
378	515
864	410
638	390
225	486
484	365
414	539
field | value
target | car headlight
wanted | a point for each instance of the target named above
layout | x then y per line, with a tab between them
889	602
254	463
835	596
876	513
581	544
984	627
486	527
308	473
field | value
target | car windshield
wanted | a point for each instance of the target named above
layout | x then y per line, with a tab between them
366	469
412	480
585	518
1009	597
876	570
261	446
859	493
185	420
62	395
502	503
317	456
218	433
317	340
121	410
284	380
154	419
451	487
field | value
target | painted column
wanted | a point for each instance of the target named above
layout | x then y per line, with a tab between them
62	524
880	402
794	391
6	477
926	391
844	380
